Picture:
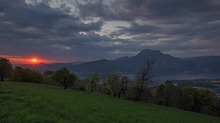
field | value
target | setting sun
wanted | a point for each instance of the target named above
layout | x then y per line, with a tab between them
34	60
28	60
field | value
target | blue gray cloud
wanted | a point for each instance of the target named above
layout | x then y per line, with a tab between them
92	29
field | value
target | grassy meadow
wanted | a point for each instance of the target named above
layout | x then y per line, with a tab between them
38	103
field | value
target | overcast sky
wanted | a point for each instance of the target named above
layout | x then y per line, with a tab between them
71	30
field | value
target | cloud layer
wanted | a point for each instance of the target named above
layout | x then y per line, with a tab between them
74	30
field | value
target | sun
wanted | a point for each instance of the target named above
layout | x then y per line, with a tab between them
34	60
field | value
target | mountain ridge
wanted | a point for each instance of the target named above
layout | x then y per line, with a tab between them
165	64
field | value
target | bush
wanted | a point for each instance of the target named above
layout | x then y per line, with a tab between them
27	75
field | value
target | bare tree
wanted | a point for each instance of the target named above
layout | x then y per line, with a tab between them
143	80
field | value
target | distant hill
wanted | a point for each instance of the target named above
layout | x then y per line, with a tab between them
165	65
212	63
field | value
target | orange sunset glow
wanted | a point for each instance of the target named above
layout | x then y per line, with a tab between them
34	60
28	60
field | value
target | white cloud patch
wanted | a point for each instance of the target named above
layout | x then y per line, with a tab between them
69	7
113	26
120	52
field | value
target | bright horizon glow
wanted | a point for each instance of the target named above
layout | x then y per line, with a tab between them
34	60
28	60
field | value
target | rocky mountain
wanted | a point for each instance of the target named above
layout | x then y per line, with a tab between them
164	65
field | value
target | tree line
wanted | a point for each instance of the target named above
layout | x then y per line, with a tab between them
120	86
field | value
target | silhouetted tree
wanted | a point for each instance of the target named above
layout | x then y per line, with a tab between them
93	80
187	98
48	78
116	84
5	68
159	95
170	94
112	84
48	73
206	102
123	85
64	77
18	74
27	75
81	84
143	80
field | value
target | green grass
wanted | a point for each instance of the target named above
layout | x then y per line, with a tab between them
36	103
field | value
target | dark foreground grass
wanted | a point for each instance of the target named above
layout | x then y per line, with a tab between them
36	103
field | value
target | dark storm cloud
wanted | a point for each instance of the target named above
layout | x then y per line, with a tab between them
174	9
25	15
28	29
192	23
116	10
170	12
93	9
79	31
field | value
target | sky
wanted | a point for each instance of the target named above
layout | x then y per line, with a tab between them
85	30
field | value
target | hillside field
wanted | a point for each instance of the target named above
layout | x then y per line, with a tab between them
38	103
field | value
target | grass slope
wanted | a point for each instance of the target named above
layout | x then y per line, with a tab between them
26	102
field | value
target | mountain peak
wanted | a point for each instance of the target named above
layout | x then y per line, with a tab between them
148	52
